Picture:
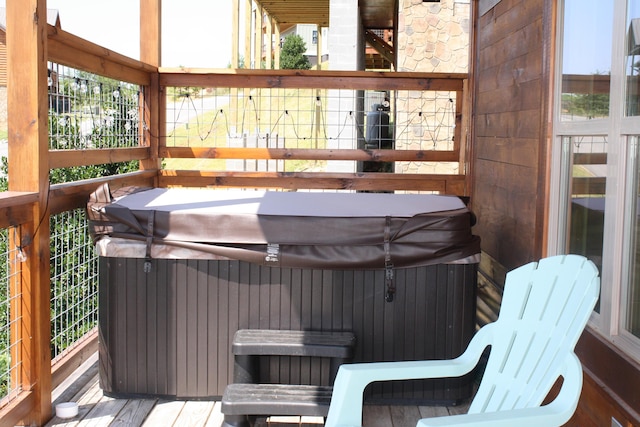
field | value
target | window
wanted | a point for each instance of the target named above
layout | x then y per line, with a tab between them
632	66
631	310
585	77
596	157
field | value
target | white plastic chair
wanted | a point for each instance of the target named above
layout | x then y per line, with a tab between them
545	308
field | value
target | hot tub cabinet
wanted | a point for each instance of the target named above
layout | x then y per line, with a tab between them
182	270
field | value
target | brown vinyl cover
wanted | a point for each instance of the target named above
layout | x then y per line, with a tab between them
290	229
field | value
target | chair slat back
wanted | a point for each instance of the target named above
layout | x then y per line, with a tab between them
544	310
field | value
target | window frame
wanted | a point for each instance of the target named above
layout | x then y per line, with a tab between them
623	151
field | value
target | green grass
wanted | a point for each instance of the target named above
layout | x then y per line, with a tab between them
287	112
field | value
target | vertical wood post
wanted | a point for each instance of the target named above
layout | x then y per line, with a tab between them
258	38
276	53
248	31
235	32
153	113
29	171
269	43
319	48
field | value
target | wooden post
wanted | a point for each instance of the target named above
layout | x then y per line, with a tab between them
29	171
276	53
152	105
258	38
235	30
269	43
247	33
319	48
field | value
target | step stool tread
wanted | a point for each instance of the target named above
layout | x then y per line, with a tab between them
293	343
276	399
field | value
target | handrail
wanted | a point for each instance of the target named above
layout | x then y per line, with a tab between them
73	51
311	79
252	82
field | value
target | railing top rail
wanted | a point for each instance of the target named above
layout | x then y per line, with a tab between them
312	79
64	48
9	199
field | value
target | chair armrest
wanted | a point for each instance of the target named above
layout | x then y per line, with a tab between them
352	379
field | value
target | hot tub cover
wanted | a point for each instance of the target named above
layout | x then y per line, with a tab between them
283	229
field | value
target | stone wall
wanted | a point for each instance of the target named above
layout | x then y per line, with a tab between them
432	37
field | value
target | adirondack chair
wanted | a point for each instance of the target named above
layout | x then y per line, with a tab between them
545	308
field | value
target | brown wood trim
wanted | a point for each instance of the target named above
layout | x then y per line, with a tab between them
547	83
15	412
151	32
28	131
590	159
618	375
68	196
73	51
309	154
16	214
72	360
588	185
591	83
597	406
446	184
69	158
10	199
311	79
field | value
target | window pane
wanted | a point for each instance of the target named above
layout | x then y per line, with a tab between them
586	59
633	58
586	210
632	321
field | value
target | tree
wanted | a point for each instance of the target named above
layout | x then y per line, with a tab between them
292	54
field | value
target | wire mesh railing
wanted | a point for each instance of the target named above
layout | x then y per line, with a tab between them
292	118
74	281
91	111
10	316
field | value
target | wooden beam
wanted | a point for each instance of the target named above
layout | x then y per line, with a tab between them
445	184
151	32
73	195
248	12
75	357
16	208
308	154
268	52
29	171
276	53
311	79
67	49
83	157
235	32
258	39
152	103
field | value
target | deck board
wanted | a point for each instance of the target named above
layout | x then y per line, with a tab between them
97	410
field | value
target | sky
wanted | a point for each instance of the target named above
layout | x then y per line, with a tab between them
195	33
588	51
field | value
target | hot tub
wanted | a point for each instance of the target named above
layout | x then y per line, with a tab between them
182	269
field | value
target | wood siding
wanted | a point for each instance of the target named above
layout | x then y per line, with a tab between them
510	131
512	89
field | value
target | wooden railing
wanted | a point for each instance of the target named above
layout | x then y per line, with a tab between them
20	208
249	80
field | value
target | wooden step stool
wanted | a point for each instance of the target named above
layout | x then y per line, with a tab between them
245	398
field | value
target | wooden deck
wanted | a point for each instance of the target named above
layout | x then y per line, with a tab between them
98	410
